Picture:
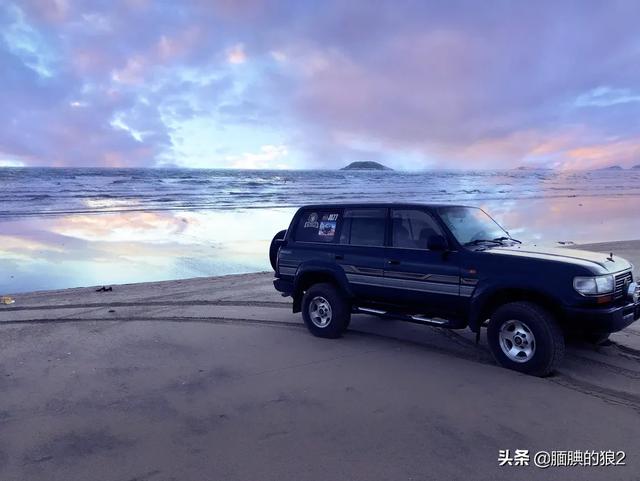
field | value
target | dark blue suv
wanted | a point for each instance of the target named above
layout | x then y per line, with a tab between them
449	266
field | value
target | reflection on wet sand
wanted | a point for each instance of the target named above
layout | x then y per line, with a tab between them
81	250
96	249
579	220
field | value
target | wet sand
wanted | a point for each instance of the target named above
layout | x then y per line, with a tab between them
215	378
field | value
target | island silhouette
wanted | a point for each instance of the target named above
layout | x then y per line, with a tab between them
366	165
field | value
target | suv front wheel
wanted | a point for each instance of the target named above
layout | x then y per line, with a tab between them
326	313
525	337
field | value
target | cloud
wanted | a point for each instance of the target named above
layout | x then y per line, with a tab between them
236	54
132	72
269	157
606	97
11	163
415	84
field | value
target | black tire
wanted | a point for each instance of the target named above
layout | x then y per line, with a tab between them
598	339
526	319
339	311
346	324
275	245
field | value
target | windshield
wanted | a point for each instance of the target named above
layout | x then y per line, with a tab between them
471	224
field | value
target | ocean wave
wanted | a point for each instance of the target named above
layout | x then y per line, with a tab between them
60	191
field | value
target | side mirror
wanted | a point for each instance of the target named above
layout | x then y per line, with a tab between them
437	243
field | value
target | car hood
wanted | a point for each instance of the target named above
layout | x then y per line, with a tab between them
597	262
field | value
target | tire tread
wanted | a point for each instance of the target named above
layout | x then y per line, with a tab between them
339	305
545	321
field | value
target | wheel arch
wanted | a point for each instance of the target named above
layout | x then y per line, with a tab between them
315	274
485	304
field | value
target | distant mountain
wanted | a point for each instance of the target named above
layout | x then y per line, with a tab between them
531	167
636	166
366	165
611	167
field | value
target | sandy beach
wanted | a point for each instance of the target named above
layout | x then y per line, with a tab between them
215	378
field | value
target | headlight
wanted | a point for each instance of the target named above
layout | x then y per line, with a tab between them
594	286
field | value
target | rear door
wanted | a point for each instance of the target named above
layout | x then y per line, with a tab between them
361	250
314	239
426	280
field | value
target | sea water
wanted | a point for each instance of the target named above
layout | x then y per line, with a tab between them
76	227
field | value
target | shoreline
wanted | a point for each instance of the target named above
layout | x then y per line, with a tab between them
630	250
45	253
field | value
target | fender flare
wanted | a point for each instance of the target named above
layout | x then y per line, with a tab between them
322	270
485	293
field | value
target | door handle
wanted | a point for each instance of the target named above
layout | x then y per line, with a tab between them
339	257
393	262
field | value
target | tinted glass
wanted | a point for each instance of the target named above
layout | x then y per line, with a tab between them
411	228
318	226
364	227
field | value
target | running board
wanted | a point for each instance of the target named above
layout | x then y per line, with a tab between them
369	310
417	318
439	322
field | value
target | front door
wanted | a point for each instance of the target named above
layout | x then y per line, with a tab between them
428	281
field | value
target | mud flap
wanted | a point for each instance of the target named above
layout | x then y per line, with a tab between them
297	303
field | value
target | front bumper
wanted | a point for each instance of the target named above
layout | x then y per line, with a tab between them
604	319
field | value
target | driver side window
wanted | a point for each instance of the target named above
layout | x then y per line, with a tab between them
411	228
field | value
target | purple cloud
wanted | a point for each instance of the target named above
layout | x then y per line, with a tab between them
417	84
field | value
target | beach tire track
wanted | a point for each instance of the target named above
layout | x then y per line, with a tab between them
607	395
628	352
563	379
476	355
628	373
151	303
210	320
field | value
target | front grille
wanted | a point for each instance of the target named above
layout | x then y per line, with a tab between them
622	281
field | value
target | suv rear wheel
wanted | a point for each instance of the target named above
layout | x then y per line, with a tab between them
525	337
325	311
276	242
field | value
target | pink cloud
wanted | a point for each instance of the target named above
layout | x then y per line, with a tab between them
51	11
491	85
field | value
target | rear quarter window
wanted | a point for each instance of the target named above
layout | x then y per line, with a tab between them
364	227
318	226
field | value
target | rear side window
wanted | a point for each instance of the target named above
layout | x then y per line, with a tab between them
318	226
363	227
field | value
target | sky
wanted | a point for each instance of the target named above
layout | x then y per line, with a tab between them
310	84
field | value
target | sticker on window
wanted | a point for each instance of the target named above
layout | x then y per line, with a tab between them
312	221
327	228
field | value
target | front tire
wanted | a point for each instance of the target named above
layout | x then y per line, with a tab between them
597	339
525	337
325	311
